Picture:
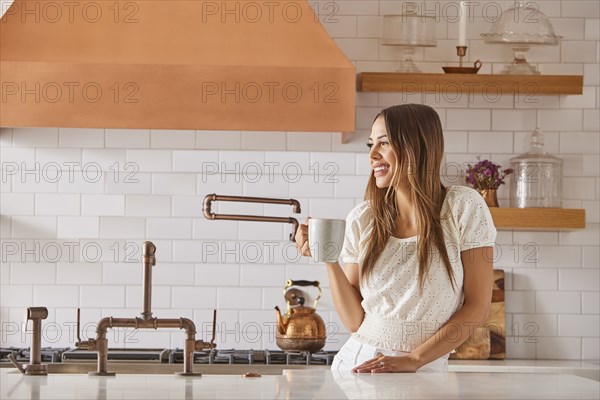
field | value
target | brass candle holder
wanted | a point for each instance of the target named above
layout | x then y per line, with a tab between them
461	51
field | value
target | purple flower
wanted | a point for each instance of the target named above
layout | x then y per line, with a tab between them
486	175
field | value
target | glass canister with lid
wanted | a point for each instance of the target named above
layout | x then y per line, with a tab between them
537	177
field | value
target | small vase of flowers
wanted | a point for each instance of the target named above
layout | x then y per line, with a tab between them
486	177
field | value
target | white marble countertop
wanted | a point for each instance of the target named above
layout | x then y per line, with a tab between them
302	384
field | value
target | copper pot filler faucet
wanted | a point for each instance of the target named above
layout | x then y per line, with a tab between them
209	199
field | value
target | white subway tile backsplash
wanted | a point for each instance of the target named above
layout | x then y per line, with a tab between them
130	182
169	228
529	326
218	140
161	298
208	229
591	255
122	227
579	279
330	208
569	28
350	186
196	161
147	206
590	348
321	185
591	120
579	142
585	100
559	256
560	120
578	51
263	140
102	296
579	325
535	238
56	295
172	139
96	160
516	348
557	302
35	137
468	119
78	227
486	142
535	279
590	236
33	273
19	159
262	275
249	230
16	203
173	274
174	184
196	297
238	298
562	348
151	160
127	138
262	186
217	275
80	182
34	227
123	273
16	296
102	205
310	141
69	273
57	204
80	137
513	120
579	188
369	26
520	301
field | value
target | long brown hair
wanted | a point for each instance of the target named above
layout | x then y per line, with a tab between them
416	137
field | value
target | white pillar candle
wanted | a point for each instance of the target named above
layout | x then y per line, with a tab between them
462	24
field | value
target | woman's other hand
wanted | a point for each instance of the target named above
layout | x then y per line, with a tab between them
302	239
383	363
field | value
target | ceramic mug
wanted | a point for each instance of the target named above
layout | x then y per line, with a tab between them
325	239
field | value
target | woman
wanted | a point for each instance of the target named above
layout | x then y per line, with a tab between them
417	275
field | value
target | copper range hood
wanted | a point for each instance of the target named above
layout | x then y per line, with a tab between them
173	64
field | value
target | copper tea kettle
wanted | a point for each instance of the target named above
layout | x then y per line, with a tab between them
301	328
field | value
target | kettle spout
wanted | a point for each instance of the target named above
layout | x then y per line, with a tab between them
281	321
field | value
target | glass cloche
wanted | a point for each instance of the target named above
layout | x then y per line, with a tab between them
408	31
520	27
537	177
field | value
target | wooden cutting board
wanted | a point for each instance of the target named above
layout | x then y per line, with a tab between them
488	341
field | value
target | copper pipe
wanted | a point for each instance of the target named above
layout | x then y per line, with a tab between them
148	259
35	366
208	199
154	323
100	344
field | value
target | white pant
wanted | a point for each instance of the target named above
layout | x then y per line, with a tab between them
354	353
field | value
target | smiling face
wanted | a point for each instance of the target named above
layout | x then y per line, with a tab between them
381	155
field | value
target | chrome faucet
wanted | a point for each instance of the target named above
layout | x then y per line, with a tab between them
35	366
100	344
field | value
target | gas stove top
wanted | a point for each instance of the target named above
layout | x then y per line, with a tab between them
175	356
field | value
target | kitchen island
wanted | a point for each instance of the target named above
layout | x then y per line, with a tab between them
302	384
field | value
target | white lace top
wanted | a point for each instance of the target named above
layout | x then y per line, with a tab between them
396	316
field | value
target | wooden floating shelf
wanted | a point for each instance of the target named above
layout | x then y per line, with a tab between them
538	219
492	85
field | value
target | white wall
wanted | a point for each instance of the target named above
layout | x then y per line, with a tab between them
60	225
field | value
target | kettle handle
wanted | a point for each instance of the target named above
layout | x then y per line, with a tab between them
291	282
